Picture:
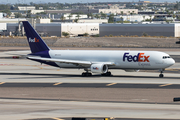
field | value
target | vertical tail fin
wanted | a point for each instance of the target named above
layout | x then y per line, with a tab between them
35	41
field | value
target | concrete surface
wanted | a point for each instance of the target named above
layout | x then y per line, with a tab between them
29	90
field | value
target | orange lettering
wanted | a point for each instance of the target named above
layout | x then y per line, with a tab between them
146	58
140	56
36	40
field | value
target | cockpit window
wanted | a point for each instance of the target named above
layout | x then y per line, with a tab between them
165	57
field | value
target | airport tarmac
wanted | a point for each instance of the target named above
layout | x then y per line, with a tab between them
29	90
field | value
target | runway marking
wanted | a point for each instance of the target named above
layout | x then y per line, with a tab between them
2	83
111	84
57	119
58	83
106	118
165	85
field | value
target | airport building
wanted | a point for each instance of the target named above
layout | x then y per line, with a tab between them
75	16
74	29
1	15
86	11
169	30
132	18
119	11
34	21
118	29
26	7
3	27
78	29
92	21
56	29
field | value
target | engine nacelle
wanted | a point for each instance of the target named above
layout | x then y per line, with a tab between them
99	68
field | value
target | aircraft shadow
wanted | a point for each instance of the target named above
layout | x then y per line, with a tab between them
41	75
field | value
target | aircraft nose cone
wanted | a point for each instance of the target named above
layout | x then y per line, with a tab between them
172	62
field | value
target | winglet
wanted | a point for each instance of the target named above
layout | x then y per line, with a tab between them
35	41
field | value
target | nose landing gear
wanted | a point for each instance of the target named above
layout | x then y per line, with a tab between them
161	74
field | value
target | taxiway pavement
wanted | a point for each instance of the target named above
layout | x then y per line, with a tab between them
29	90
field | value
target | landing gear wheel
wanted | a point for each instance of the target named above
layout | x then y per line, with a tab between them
89	74
83	74
106	74
86	74
161	75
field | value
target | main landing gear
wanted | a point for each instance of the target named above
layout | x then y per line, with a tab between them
106	74
161	74
86	74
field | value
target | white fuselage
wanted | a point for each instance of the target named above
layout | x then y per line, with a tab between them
121	59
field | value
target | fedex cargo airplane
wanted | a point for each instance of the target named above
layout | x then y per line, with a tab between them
95	61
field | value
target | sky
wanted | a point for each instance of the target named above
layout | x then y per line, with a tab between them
76	1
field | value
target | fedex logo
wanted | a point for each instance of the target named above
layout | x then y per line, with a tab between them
33	40
140	57
95	68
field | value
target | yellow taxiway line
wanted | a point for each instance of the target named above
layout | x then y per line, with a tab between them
57	119
111	84
58	83
2	83
165	85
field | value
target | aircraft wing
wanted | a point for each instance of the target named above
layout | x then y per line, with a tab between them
76	62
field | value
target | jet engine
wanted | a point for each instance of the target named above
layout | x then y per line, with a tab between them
99	68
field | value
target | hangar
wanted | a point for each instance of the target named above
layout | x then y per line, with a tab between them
116	29
169	30
56	29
